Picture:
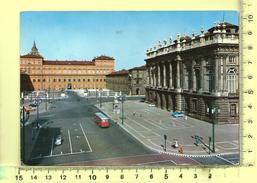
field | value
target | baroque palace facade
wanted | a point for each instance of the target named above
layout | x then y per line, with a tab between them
39	74
197	74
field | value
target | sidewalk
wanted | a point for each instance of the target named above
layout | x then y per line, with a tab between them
149	125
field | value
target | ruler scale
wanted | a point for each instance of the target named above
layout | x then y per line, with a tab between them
247	93
248	138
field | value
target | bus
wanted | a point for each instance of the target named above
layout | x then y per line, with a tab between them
101	120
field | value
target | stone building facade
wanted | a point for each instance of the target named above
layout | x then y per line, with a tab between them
129	82
197	74
40	74
138	80
118	81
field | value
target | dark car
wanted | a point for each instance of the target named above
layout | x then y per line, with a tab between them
33	105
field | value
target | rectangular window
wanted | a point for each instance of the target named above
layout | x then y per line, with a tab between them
59	80
69	80
64	80
194	105
74	79
233	110
78	80
232	59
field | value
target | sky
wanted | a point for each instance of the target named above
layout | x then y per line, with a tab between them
123	35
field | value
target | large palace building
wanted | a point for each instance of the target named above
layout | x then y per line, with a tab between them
40	74
197	74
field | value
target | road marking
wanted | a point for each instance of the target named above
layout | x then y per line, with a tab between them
219	157
135	130
52	146
139	124
158	126
86	138
58	155
152	162
70	141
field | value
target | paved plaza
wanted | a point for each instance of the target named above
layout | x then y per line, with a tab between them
139	141
149	125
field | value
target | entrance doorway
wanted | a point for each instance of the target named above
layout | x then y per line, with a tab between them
137	91
69	86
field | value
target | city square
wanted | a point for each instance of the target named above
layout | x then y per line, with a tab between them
171	103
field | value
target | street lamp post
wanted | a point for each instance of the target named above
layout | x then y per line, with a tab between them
37	102
122	98
23	134
100	99
53	93
165	142
213	131
214	110
46	99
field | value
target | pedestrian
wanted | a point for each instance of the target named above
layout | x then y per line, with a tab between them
180	150
134	113
185	118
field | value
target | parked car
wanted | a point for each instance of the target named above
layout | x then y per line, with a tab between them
58	140
177	114
33	105
151	105
142	100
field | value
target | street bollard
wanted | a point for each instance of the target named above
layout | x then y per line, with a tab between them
165	142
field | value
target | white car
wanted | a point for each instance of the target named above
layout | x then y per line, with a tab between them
58	140
151	105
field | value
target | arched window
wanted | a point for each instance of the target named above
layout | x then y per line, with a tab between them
232	83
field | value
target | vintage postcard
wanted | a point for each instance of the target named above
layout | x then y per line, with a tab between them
137	88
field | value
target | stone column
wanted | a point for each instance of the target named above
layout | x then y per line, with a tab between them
159	75
217	73
184	77
193	76
164	76
154	75
171	83
149	76
178	99
202	72
169	102
225	87
178	72
158	100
